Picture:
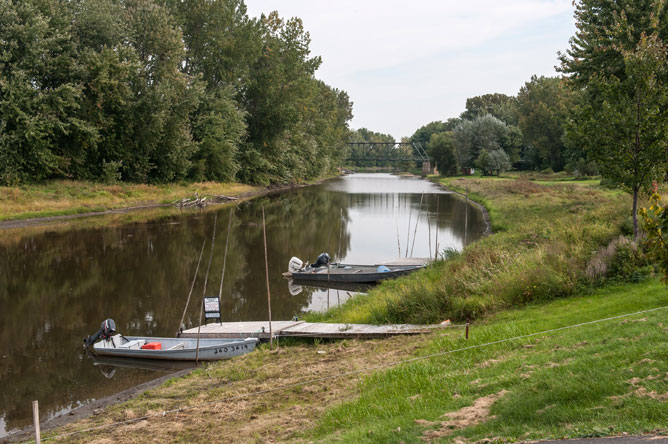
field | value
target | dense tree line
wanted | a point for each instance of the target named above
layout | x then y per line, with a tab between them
162	90
497	131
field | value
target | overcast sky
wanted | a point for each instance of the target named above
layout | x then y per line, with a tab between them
407	63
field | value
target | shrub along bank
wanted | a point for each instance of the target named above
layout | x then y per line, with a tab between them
551	239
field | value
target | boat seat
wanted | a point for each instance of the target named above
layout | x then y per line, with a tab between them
135	343
178	346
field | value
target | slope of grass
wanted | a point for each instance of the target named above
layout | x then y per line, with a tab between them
598	379
546	236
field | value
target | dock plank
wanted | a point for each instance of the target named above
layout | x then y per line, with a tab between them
250	329
303	329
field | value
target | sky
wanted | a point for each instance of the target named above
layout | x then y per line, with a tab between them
407	63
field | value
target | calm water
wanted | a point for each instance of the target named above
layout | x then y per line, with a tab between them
58	286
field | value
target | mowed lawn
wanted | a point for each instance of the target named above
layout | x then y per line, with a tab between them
599	379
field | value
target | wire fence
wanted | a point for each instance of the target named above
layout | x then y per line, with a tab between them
342	375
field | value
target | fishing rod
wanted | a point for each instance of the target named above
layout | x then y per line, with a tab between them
206	279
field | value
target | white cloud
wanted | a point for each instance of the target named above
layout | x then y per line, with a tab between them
407	63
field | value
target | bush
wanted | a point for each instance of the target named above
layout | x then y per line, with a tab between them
582	168
111	171
621	260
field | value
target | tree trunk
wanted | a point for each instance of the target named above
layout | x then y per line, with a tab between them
636	233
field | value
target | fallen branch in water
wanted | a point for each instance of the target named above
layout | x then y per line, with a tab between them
202	202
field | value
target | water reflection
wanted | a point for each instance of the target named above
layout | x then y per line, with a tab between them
56	287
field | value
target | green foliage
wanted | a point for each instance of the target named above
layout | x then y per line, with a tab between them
488	133
164	89
494	162
599	46
441	148
621	121
501	106
111	171
38	101
424	133
543	105
218	130
655	219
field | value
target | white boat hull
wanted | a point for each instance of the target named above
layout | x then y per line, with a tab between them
177	349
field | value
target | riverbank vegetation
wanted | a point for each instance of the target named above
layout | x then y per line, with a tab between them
149	91
551	239
63	197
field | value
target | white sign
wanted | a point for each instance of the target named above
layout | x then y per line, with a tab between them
211	305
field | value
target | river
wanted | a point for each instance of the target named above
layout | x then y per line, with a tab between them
57	286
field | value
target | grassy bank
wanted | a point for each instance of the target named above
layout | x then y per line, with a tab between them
551	239
598	379
62	197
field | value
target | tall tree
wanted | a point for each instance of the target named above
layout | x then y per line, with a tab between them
623	119
39	101
501	106
605	30
441	148
543	105
485	133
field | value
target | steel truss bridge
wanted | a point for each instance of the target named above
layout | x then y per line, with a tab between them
387	151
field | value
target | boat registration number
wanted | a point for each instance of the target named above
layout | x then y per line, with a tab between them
230	349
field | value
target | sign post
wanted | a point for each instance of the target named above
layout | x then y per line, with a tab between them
211	309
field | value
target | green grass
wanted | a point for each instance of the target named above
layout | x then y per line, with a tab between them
545	239
570	383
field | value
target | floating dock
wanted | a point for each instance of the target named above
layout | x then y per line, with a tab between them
260	329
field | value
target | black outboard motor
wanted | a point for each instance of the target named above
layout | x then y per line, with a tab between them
106	331
321	261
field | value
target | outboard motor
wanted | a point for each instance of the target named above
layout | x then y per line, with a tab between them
321	261
295	264
106	331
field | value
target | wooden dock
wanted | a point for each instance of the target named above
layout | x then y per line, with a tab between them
260	329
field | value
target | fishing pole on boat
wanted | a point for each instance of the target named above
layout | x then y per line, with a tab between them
206	279
266	269
338	257
396	222
192	286
408	234
227	242
466	217
417	220
438	199
429	230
